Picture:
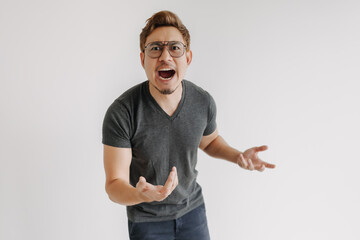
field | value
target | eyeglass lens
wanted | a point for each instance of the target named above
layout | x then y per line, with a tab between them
155	49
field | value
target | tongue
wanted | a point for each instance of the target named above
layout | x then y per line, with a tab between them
166	74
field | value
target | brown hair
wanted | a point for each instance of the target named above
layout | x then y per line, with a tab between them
162	19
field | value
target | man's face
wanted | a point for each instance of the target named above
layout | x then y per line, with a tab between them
165	73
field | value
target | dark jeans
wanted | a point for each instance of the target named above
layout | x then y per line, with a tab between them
191	226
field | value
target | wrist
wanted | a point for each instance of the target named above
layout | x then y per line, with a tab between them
236	157
141	197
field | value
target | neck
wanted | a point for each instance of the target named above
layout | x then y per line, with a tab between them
168	102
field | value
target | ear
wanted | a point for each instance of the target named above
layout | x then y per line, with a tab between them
188	57
142	58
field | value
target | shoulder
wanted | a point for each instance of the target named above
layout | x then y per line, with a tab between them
130	97
190	86
131	94
197	93
127	102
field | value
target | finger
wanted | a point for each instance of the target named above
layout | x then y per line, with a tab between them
262	168
142	179
261	148
169	182
176	181
269	165
243	162
251	165
141	183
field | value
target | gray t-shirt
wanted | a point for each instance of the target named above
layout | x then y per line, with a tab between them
159	142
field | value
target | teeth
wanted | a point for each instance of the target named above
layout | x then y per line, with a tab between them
165	78
165	69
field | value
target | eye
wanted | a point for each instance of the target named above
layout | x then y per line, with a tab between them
155	48
176	47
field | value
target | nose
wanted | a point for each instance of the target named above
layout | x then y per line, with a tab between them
165	55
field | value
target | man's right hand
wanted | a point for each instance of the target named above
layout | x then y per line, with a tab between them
150	193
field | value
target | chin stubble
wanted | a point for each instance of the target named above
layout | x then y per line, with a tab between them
166	91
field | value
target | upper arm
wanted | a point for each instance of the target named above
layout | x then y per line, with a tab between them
117	163
206	140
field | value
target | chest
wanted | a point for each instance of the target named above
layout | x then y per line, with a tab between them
160	133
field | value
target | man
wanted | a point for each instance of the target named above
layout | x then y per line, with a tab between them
151	135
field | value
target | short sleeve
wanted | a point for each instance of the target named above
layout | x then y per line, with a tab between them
211	123
116	126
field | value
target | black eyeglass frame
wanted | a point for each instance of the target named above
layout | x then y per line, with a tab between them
162	45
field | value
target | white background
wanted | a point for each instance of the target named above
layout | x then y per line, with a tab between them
283	73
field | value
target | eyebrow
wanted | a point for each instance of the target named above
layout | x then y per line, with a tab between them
156	42
162	42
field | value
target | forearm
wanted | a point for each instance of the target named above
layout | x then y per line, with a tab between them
218	148
120	191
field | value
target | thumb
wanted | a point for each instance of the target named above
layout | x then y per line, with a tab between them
141	183
261	148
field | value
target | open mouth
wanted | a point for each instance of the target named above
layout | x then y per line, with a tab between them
166	74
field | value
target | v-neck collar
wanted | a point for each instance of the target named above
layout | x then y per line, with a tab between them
178	109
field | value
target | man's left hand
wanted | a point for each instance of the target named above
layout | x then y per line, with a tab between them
251	161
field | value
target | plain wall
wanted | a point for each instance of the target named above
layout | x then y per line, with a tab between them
283	73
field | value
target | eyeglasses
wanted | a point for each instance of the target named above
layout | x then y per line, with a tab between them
155	49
